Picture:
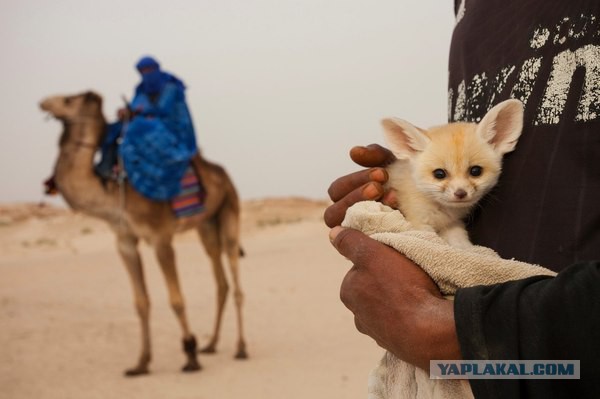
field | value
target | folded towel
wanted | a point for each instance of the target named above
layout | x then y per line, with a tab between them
451	268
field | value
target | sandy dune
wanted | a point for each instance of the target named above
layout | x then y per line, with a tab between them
69	329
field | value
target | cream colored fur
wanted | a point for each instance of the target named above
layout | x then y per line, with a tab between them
440	204
435	207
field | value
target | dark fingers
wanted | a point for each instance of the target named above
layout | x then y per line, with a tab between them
335	213
356	246
372	155
342	186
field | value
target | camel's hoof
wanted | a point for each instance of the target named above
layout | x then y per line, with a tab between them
191	366
134	372
241	355
210	349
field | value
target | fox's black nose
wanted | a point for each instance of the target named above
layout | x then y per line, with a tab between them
460	193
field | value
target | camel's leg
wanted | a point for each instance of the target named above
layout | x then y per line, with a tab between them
230	230
209	233
166	258
127	246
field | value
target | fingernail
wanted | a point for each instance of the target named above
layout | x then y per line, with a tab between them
370	191
379	175
333	233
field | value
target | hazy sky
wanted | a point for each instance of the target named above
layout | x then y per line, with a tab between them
279	90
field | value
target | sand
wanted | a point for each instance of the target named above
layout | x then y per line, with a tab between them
68	328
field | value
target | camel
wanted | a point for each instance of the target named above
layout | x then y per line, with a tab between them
133	217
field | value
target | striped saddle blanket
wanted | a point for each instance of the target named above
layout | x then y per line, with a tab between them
190	200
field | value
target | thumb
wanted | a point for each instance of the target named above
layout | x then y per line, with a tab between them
369	254
354	245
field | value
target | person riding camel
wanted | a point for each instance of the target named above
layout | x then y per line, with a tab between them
158	140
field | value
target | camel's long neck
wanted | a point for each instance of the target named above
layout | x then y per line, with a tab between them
74	173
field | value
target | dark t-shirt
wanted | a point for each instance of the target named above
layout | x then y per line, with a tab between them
539	318
546	207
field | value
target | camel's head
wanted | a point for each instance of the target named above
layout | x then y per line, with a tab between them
72	108
77	110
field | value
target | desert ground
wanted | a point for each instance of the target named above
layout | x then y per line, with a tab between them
68	327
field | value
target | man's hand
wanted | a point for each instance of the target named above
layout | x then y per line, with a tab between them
123	113
394	301
359	186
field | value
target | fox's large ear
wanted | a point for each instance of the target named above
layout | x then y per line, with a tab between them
404	139
502	125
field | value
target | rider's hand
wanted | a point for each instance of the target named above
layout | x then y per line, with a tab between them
123	113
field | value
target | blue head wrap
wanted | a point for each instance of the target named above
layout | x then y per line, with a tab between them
147	62
153	79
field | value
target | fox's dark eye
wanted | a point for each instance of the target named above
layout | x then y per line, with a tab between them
67	100
439	174
476	170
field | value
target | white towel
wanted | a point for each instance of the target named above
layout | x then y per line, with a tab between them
450	268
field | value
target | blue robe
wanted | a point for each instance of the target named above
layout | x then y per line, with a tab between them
158	142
